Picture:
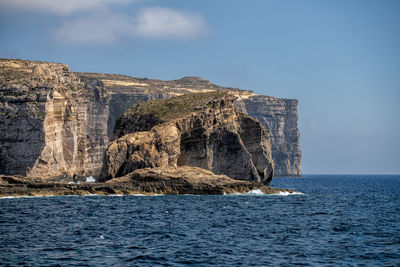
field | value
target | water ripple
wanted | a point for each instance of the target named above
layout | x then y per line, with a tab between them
338	221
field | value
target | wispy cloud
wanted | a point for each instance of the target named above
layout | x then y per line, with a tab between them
106	27
88	22
157	22
60	7
100	28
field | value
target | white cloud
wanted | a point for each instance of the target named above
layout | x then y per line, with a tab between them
94	22
98	28
60	7
157	22
106	27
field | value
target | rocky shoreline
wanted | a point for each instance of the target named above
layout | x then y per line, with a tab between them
192	144
195	142
154	181
54	121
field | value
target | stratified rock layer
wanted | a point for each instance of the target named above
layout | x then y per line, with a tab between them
277	115
52	123
202	130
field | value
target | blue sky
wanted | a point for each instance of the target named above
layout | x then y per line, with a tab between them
340	59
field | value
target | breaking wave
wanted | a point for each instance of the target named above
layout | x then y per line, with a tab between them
286	193
258	192
12	197
255	192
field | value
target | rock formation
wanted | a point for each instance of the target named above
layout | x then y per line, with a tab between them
167	181
52	122
187	180
200	129
277	115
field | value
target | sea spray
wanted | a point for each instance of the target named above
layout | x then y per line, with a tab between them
259	192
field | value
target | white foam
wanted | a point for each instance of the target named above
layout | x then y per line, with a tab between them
286	193
258	192
11	197
146	195
255	192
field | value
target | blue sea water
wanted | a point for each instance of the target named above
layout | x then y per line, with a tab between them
339	220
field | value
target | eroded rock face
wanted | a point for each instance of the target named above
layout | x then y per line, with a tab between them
52	122
187	180
213	136
277	115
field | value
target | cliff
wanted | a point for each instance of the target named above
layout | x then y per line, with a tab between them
200	129
278	115
54	122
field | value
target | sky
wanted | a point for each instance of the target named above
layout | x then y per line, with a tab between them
339	58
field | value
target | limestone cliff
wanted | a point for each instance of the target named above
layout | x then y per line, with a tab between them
52	122
277	115
201	129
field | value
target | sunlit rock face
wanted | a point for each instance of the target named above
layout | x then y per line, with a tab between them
200	130
53	123
278	115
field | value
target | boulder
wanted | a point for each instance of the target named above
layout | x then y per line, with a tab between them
186	180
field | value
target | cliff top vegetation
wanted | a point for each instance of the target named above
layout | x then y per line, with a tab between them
179	106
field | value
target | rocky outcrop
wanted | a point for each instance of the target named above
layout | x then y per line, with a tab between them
52	123
167	181
201	129
188	180
277	115
124	91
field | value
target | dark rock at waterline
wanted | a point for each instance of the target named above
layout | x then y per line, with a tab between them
149	181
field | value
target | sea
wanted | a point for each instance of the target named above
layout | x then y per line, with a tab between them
338	220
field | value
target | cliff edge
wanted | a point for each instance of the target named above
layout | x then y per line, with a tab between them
53	123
